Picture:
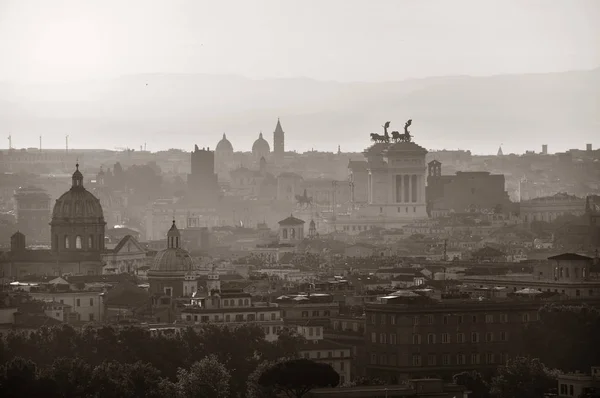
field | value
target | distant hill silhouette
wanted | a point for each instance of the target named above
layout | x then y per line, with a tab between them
457	111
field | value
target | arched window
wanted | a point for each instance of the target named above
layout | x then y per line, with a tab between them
292	233
78	244
91	242
284	233
67	245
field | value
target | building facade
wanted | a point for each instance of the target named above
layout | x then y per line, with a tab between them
549	208
32	206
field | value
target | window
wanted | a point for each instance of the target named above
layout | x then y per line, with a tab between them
416	360
315	313
383	316
474	318
91	317
563	389
373	337
446	359
445	338
392	338
416	339
342	366
383	359
67	242
392	319
227	318
489	318
261	316
445	319
474	337
503	336
382	338
318	354
430	319
168	291
304	314
460	338
284	233
431	360
475	358
489	358
91	242
504	318
431	338
373	359
91	302
317	331
373	319
78	303
415	320
571	392
330	354
460	319
460	359
78	242
525	317
489	337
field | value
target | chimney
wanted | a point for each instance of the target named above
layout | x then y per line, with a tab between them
545	149
588	147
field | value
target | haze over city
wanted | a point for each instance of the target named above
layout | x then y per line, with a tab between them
177	72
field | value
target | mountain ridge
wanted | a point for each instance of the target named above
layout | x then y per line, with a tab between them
517	110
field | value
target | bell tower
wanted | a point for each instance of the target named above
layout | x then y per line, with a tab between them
278	141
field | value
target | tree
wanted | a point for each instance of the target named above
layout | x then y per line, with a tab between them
206	378
18	378
296	377
474	382
71	377
522	377
256	390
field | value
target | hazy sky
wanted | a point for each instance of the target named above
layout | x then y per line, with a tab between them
348	40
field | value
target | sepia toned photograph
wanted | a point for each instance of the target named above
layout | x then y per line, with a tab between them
300	198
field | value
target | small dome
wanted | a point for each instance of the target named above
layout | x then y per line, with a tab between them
224	145
173	258
261	146
78	203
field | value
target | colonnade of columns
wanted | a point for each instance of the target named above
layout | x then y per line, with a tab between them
410	188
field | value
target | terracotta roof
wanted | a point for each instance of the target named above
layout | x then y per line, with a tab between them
291	220
570	256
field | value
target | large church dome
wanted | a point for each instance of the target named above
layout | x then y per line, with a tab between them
78	204
261	147
224	145
173	259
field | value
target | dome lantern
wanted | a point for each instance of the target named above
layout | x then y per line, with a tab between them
173	237
77	179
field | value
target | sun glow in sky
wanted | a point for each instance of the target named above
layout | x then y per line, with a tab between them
347	40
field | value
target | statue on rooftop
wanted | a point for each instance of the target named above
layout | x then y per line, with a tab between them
304	200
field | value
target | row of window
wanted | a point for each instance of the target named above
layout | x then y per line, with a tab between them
229	317
329	355
316	313
391	338
78	302
489	358
240	302
446	319
79	242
